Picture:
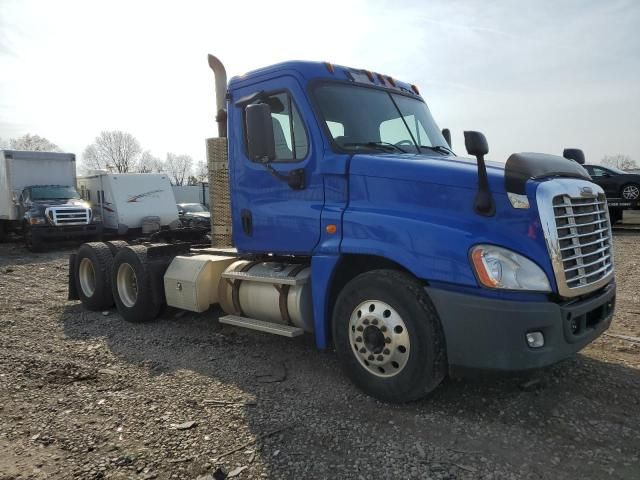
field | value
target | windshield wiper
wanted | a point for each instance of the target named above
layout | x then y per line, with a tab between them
385	146
439	148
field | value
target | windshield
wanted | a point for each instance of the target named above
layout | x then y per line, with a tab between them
53	192
367	118
193	208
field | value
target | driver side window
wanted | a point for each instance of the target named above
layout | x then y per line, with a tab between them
289	134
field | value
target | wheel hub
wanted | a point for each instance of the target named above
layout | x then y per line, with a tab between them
87	277
379	338
373	339
631	192
127	284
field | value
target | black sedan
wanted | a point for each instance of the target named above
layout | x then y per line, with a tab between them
616	183
194	215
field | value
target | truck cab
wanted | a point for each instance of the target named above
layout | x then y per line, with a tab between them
51	212
354	220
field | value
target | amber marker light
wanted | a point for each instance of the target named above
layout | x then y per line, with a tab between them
331	229
481	268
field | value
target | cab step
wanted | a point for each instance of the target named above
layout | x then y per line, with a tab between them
262	326
273	279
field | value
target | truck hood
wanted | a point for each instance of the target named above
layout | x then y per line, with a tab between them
447	170
71	202
450	170
37	207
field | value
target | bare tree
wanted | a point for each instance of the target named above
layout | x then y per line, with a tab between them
201	171
115	151
34	143
149	163
623	162
178	167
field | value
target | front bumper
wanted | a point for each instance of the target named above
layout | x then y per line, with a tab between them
484	333
44	232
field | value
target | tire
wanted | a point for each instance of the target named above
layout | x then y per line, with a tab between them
32	243
407	322
630	191
137	284
3	231
116	245
94	263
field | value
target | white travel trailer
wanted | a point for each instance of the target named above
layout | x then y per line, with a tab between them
131	203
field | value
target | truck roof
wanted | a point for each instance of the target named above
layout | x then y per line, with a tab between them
325	70
29	155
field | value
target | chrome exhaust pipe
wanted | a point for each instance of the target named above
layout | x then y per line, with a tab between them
220	75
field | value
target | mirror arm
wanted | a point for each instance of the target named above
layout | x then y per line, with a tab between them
294	178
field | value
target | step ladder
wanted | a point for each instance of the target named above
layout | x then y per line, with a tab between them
261	325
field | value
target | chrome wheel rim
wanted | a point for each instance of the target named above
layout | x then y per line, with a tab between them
127	284
630	192
87	276
379	338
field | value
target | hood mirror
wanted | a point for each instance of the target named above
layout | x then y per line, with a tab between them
476	144
446	133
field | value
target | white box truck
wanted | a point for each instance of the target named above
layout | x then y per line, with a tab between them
38	198
131	203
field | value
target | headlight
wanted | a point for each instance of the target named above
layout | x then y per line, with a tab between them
37	221
498	267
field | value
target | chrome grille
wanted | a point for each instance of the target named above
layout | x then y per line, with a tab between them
575	221
60	216
585	242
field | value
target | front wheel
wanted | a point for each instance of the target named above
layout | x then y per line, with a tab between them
388	336
630	191
31	241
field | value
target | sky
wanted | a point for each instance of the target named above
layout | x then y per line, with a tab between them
532	75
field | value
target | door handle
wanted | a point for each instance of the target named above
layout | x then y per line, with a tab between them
247	222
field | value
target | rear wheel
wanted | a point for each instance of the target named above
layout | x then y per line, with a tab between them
388	336
631	191
137	285
94	264
116	245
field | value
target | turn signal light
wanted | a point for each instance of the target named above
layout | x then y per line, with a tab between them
482	269
331	229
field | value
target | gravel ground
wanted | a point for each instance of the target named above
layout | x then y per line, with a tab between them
86	395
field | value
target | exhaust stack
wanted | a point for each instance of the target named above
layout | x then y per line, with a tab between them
218	162
220	75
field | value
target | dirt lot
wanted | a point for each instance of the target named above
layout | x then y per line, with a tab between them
86	395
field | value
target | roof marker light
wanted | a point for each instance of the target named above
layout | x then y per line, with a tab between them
391	81
329	67
415	89
380	77
369	75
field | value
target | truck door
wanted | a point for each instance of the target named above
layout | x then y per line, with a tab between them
268	214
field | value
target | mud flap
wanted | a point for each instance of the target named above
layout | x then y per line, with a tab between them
73	288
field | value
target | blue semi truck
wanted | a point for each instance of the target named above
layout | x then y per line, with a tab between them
352	219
